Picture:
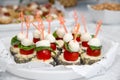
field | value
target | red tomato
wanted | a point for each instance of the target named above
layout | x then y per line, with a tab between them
16	46
91	52
71	56
85	43
26	52
36	40
59	38
53	46
44	54
78	39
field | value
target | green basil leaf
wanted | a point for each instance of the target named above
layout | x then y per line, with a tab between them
92	36
15	41
43	48
78	35
26	47
55	34
67	48
95	47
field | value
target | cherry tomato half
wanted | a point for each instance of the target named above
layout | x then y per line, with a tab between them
26	52
78	38
44	54
71	56
53	46
36	40
91	52
85	43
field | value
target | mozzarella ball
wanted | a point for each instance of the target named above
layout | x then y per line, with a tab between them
60	32
67	37
36	34
60	43
74	46
51	38
94	42
20	36
45	43
85	37
27	42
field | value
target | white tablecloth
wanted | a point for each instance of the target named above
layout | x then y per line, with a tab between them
112	30
112	74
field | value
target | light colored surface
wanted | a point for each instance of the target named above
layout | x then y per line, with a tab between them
37	70
111	31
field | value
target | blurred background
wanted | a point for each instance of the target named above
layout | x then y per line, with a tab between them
5	2
66	3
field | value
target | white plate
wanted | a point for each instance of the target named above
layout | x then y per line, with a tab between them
44	75
43	71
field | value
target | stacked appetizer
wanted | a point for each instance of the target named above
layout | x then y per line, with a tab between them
92	46
93	52
62	47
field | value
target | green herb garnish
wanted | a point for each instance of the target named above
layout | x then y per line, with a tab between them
43	48
55	34
78	35
95	47
67	47
26	47
92	36
15	41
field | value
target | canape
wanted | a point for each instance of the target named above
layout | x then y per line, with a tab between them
44	52
85	37
93	52
71	55
59	33
52	40
15	42
78	35
53	44
36	36
26	52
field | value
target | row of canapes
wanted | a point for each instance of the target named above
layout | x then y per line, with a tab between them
10	13
60	47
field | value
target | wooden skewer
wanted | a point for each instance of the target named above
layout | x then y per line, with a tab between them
22	20
98	28
27	25
35	26
77	30
49	19
62	23
84	23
